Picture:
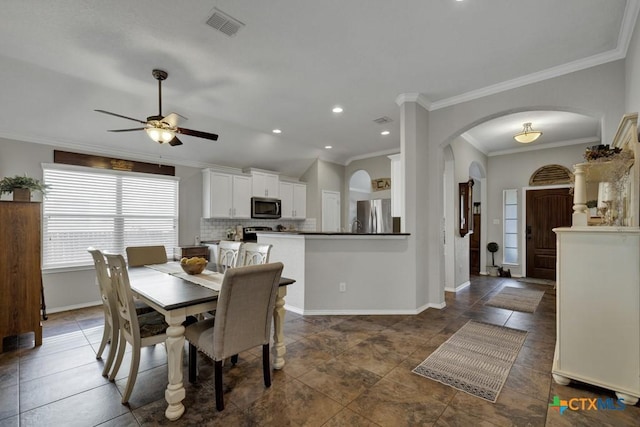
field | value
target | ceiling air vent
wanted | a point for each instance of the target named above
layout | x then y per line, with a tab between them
383	120
224	23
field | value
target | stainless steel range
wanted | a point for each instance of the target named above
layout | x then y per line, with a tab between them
249	233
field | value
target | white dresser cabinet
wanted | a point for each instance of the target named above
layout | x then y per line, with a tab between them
598	309
598	280
226	195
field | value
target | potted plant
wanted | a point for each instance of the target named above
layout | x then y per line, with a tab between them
21	187
592	205
493	248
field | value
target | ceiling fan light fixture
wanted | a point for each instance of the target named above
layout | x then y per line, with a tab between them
159	135
527	135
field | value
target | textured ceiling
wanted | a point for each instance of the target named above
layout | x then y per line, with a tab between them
291	63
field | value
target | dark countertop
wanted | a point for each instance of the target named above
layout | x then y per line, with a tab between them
336	233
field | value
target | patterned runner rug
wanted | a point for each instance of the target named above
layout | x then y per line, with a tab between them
517	299
476	359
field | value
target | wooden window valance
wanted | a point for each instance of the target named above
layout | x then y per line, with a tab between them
101	162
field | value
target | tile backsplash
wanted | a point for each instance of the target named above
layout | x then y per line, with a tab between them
215	229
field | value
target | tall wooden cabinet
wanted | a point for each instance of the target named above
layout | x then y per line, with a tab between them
20	269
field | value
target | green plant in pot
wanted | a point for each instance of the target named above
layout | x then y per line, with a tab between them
21	187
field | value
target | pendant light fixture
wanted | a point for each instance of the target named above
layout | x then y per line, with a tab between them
527	135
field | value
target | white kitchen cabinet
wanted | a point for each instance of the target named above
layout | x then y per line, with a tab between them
299	201
598	309
294	200
225	195
264	184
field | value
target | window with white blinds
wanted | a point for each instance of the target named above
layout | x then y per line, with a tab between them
106	209
510	253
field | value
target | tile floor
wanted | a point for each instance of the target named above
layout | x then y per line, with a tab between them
340	371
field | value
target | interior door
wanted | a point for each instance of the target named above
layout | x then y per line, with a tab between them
330	211
546	210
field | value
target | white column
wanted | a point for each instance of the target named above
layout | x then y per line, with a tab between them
580	211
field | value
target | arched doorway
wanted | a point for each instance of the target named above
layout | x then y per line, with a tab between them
477	239
359	189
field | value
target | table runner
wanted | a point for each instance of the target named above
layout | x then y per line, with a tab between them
208	279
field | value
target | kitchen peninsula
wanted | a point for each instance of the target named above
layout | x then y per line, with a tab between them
345	273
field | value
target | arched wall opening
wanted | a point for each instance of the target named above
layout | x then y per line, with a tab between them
462	160
359	189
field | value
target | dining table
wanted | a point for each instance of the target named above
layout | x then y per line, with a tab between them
176	295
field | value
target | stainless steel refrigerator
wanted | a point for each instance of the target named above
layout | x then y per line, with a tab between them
374	216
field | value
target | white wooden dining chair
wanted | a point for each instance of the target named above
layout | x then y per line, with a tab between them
144	255
111	324
243	321
229	253
137	330
255	253
111	330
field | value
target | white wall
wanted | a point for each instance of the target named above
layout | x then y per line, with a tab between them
513	171
598	92
464	156
632	72
376	167
322	175
77	288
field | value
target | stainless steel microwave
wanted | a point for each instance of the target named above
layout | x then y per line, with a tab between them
265	208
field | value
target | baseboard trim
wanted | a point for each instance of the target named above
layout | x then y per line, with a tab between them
459	287
73	307
367	312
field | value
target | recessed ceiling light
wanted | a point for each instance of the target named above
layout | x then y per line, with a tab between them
328	147
337	109
385	133
276	131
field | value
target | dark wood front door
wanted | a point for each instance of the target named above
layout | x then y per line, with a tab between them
546	210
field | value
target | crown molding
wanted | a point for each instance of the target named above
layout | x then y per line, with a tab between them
519	150
474	143
111	152
560	70
414	97
370	155
628	24
629	19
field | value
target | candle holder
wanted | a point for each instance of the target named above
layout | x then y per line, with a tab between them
606	212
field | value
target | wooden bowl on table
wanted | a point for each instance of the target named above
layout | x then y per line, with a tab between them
194	265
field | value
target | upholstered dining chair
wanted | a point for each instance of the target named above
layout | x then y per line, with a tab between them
242	321
137	330
255	253
228	253
144	255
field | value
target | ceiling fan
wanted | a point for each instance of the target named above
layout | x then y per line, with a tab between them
162	129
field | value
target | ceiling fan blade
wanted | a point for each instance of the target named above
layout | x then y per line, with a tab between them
121	116
124	130
197	133
175	141
173	118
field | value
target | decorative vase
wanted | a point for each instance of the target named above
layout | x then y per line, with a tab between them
21	195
